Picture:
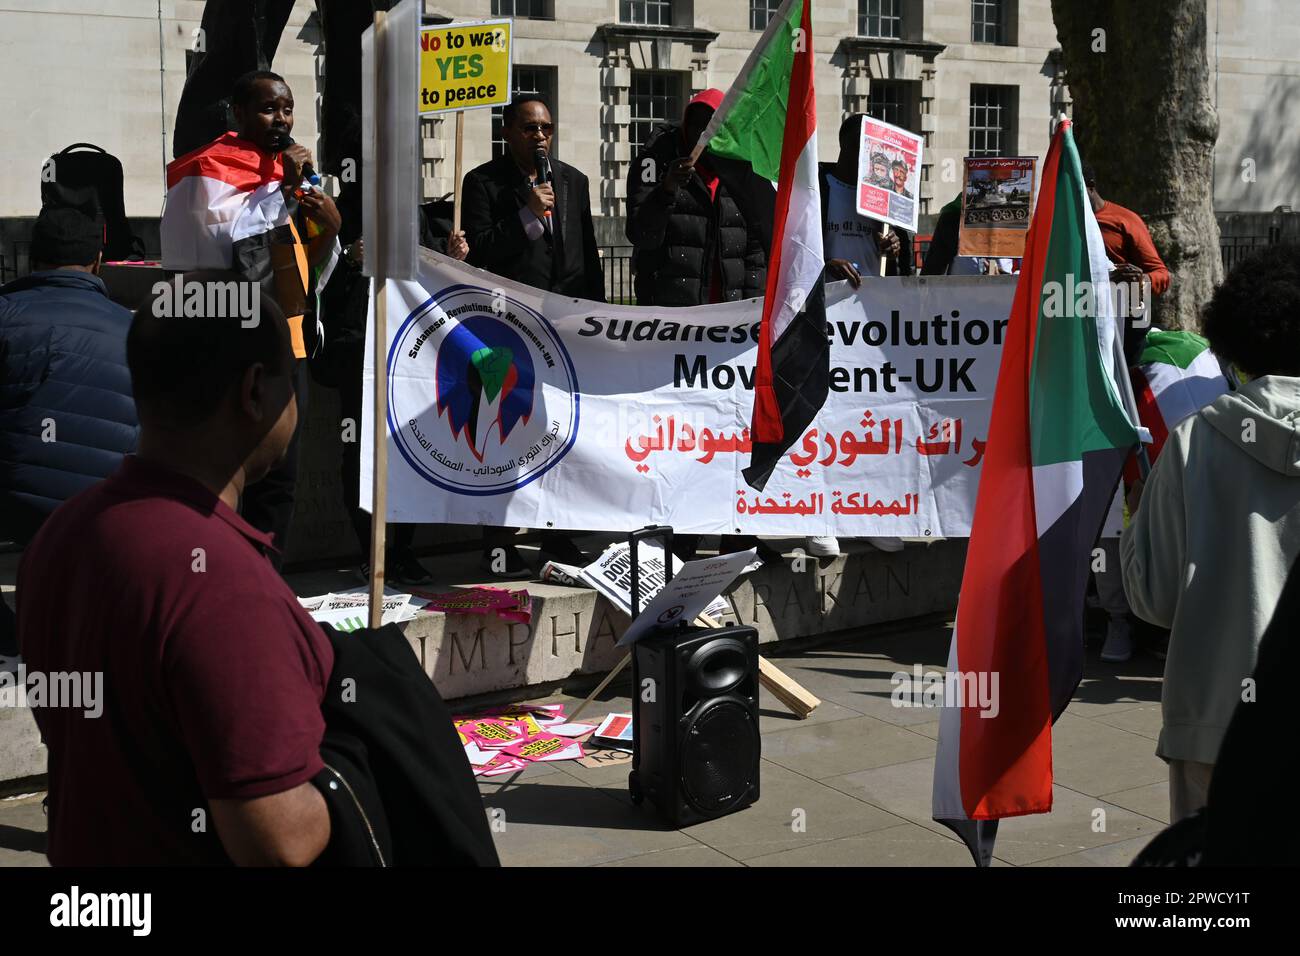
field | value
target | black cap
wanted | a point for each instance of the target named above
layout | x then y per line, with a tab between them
65	236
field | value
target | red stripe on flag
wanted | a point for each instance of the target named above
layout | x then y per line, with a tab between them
1148	410
766	424
229	159
1006	761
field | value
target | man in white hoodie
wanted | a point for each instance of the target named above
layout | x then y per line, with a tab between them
1218	526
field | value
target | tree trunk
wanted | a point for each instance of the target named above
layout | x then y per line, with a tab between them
1140	80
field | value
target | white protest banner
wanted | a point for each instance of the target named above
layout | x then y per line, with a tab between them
889	173
511	406
696	586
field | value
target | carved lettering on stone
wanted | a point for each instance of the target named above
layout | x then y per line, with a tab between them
466	659
904	583
556	634
512	643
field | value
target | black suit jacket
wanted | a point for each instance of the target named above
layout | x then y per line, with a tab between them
566	262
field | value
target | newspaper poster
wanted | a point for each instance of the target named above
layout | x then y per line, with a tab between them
997	200
889	174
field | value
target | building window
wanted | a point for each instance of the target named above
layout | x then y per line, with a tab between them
760	13
527	79
655	13
888	101
656	99
527	9
986	21
880	18
991	121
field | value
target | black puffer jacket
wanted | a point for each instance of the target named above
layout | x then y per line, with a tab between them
62	364
680	240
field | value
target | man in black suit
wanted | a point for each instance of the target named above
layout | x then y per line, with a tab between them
538	232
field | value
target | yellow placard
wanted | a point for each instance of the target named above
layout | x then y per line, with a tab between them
465	66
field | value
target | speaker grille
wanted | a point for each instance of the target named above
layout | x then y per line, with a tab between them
719	752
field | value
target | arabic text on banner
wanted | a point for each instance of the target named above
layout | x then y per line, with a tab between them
510	406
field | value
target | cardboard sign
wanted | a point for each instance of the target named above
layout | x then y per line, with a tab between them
465	66
997	201
691	590
889	174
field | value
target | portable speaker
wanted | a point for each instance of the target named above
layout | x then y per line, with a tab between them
695	728
695	745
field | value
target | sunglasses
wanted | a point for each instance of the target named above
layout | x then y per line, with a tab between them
530	128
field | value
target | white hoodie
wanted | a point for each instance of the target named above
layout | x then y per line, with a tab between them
1209	550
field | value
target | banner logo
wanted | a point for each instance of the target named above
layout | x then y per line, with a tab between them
489	399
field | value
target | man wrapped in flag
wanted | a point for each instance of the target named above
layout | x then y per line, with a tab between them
1062	425
241	204
769	120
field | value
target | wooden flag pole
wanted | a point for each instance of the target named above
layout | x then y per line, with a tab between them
455	184
379	420
884	234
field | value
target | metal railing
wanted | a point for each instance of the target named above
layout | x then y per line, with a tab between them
1232	249
616	261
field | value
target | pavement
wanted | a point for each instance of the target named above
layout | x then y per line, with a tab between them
848	786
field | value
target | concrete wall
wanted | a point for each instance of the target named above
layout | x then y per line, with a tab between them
1256	77
88	71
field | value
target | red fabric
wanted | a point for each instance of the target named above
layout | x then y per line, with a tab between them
231	159
709	97
1005	762
800	123
213	674
1128	240
1148	410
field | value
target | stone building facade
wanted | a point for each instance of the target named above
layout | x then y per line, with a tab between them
972	75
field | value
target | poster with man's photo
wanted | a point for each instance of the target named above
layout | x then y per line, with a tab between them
889	174
996	202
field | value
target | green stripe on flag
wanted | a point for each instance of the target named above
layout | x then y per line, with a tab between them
754	127
1172	348
1073	407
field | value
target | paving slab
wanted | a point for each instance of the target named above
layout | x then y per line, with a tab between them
1150	801
697	855
22	831
843	746
1145	720
904	845
556	820
792	811
1094	758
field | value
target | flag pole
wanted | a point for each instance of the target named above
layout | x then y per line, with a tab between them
456	182
379	420
1130	401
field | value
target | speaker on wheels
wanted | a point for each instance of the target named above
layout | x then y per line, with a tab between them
696	746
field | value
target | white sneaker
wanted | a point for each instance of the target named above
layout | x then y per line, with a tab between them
886	544
827	547
1119	642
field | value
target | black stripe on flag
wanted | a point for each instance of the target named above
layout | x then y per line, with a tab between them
801	374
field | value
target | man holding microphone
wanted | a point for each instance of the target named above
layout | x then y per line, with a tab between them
245	202
527	216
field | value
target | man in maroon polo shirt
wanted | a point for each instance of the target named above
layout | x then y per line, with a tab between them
213	675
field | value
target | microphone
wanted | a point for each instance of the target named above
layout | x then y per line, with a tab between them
544	174
284	141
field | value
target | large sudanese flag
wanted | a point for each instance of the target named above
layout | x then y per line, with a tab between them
1058	437
769	120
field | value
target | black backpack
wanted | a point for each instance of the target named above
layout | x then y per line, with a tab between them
91	179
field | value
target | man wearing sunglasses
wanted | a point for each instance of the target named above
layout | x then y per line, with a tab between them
535	232
534	228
